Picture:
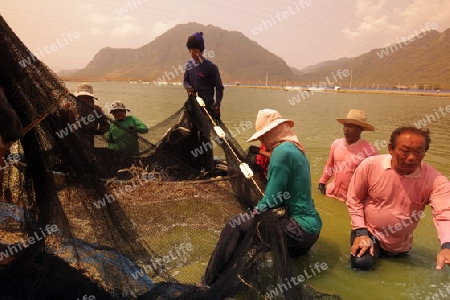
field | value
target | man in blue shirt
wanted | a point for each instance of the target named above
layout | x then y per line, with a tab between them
202	77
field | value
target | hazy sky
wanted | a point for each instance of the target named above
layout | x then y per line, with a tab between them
66	34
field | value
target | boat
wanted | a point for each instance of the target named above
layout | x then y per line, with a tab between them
316	89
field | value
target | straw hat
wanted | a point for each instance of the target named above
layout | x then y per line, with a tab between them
85	89
357	117
266	120
118	105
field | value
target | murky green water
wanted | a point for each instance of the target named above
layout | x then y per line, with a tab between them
412	277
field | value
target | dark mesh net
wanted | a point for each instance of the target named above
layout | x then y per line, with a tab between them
78	218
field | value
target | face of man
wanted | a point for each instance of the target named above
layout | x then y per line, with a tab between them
119	114
352	133
196	54
408	153
86	99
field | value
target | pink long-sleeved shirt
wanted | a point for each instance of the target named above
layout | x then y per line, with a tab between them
390	205
341	164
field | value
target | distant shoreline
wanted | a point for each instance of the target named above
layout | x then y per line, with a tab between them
408	93
358	91
342	91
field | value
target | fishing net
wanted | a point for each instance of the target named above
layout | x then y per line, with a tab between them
79	220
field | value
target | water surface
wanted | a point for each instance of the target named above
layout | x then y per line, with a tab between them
412	277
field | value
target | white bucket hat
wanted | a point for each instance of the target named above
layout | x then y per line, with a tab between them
117	105
357	117
266	120
85	89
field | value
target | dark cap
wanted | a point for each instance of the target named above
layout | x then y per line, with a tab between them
196	41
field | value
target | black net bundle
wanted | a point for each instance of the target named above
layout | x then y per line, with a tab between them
78	219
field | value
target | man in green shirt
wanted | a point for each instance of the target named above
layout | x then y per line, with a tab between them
288	185
122	134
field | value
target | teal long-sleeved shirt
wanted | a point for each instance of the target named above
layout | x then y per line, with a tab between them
121	140
289	184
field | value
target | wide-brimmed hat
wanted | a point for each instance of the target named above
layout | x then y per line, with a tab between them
85	89
357	117
266	120
118	105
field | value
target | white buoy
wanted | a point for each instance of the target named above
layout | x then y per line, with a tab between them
200	101
219	131
245	169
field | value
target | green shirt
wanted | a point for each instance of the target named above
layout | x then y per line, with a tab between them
289	184
122	138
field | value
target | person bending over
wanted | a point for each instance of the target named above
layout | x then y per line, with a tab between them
289	185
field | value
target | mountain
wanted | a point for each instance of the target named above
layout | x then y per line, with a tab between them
419	63
238	58
296	71
321	65
66	73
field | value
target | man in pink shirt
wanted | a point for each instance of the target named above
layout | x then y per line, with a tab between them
387	197
346	154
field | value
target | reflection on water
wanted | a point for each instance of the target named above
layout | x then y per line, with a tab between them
412	277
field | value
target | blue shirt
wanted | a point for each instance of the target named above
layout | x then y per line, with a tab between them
204	77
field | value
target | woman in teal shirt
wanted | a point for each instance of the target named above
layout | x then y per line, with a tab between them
122	134
289	185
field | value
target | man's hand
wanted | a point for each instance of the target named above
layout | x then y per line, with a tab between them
442	258
132	128
216	110
190	91
322	188
361	245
